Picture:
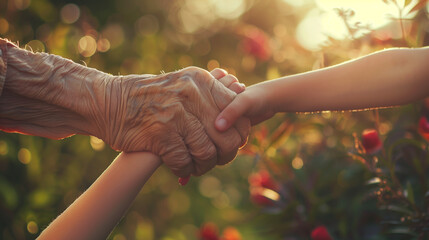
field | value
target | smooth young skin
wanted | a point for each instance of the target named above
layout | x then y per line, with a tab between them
97	211
382	79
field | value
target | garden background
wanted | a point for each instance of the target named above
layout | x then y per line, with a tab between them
298	171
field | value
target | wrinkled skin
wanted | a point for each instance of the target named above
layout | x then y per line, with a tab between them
171	115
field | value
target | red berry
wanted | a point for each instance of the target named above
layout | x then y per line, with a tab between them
320	233
424	127
371	141
184	180
209	232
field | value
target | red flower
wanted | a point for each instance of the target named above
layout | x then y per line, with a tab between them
231	233
320	233
209	231
371	141
256	43
263	179
424	127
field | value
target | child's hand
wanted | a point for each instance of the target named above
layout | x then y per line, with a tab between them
228	80
252	103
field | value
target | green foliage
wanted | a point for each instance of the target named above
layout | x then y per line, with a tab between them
324	175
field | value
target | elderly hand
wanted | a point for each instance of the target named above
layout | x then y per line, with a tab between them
172	115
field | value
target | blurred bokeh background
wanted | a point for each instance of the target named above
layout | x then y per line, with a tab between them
299	171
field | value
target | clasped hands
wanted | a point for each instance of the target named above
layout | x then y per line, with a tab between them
172	115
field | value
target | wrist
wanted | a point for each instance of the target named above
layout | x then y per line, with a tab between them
55	96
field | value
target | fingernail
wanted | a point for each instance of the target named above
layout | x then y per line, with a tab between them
184	180
243	85
221	123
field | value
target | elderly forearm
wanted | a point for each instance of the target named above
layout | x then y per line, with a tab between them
383	79
50	96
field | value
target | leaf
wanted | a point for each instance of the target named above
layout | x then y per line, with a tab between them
399	142
410	192
402	230
375	180
396	208
418	6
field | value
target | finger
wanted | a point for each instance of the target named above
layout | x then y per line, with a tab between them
206	99
218	73
237	87
200	146
222	96
243	127
177	158
231	113
228	80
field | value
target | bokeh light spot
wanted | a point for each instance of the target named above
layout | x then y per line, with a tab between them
24	156
103	45
87	46
228	9
221	201
32	227
119	236
4	26
22	4
212	64
3	148
36	46
248	63
297	163
144	230
115	34
185	61
179	202
70	13
210	187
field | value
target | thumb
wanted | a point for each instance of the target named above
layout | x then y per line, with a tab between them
230	114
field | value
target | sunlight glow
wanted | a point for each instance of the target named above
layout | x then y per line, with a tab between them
296	3
196	14
324	21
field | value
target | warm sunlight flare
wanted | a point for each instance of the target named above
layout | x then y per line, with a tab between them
325	20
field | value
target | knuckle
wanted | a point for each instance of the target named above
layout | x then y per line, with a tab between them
205	153
191	69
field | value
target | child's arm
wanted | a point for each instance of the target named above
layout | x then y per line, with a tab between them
386	78
97	211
